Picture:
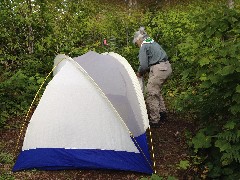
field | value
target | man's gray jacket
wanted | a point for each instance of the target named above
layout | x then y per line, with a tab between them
149	54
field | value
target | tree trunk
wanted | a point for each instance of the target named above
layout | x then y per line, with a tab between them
132	3
30	30
231	4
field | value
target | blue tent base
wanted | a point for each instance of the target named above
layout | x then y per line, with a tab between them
60	158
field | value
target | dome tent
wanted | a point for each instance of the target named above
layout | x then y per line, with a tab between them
92	115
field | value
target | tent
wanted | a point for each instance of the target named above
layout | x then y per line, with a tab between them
92	115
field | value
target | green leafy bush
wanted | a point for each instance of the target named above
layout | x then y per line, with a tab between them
209	77
6	176
16	94
6	158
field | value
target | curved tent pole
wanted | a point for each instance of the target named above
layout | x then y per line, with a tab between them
119	117
126	64
153	156
103	95
25	120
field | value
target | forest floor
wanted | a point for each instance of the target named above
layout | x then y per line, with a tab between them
169	142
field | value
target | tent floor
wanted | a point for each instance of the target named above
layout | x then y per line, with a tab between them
169	147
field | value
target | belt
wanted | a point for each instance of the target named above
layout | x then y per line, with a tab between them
158	62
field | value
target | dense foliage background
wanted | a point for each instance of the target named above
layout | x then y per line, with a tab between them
202	39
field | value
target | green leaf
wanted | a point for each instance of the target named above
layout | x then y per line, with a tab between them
227	70
235	109
227	94
40	80
227	171
236	98
203	77
185	74
229	125
6	158
223	145
214	78
184	165
204	61
226	161
238	89
31	78
237	69
205	84
201	141
156	177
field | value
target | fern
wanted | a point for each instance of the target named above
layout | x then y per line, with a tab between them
229	143
231	154
230	135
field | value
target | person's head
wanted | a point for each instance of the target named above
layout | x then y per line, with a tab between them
139	36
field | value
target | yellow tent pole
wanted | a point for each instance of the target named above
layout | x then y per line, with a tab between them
102	93
25	120
119	117
153	156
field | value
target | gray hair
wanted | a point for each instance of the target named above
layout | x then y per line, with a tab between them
140	35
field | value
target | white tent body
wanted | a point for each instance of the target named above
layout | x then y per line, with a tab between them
85	119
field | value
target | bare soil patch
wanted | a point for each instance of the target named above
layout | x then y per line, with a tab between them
169	144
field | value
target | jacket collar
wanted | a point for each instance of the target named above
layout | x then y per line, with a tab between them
147	41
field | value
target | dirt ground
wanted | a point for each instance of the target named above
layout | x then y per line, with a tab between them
169	144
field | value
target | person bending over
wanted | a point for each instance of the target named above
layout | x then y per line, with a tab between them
153	59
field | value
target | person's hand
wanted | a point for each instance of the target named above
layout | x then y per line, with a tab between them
138	74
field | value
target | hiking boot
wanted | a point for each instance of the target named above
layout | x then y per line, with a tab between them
163	117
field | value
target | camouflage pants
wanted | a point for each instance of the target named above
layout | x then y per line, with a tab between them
157	77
